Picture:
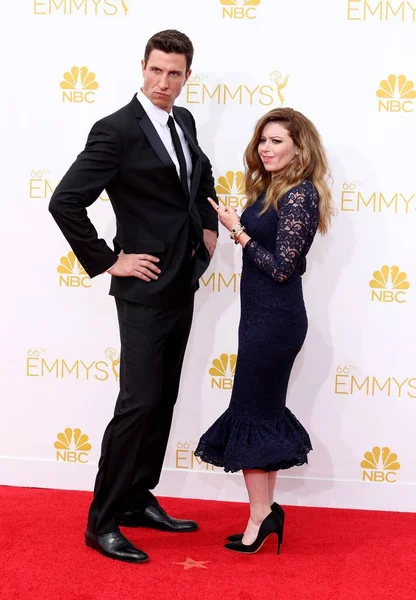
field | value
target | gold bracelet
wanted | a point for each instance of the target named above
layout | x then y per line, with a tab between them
236	230
237	235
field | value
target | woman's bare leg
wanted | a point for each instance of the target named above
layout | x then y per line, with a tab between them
272	484
257	484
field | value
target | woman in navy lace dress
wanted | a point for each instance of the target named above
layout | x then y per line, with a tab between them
288	200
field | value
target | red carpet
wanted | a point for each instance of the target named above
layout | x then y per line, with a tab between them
327	554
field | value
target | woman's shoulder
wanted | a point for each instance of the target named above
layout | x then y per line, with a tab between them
304	193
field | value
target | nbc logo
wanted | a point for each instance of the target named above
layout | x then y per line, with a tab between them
79	85
396	94
230	189
72	446
222	371
389	285
380	465
72	273
239	9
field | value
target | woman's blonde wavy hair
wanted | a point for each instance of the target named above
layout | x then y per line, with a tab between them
311	163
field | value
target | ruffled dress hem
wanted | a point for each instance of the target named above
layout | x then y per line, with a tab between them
237	442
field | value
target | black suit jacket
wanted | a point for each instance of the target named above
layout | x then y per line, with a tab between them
125	156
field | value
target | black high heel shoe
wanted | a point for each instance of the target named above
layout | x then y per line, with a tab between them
271	524
276	508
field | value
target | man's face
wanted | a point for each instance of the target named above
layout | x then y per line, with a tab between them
164	76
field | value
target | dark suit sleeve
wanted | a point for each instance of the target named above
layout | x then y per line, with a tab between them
206	188
92	171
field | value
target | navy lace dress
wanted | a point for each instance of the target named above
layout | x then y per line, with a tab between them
257	431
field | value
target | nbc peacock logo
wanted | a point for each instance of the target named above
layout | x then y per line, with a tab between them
79	85
380	465
389	284
396	94
72	446
230	189
239	9
71	273
222	371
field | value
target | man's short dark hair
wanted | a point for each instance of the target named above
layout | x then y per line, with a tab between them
170	41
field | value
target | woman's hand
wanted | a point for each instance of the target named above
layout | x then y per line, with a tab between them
227	216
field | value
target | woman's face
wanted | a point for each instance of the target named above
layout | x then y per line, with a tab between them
276	148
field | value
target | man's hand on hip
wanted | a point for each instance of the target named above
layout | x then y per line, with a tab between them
141	266
210	241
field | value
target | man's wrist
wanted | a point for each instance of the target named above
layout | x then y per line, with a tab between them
215	231
109	270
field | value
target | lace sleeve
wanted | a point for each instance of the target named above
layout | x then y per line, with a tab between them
292	233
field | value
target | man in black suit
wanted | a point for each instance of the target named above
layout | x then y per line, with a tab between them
146	155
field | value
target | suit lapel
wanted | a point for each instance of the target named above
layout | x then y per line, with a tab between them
150	132
155	141
158	146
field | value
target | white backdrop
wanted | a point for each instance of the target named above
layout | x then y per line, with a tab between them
349	66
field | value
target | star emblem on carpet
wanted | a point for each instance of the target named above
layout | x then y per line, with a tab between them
190	563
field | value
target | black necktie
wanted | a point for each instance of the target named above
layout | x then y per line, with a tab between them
180	155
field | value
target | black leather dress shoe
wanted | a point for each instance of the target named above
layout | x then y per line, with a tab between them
156	518
115	545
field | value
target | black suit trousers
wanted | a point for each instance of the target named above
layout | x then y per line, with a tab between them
153	343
